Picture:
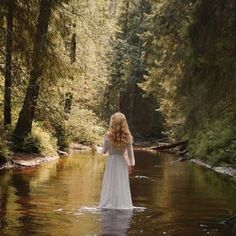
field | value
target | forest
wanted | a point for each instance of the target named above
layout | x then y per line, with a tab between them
67	65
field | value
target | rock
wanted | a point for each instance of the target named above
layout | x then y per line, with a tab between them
219	169
27	160
62	153
225	170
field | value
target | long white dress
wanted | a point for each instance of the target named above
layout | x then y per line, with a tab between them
115	192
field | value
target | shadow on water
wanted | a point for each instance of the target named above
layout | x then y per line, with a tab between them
170	198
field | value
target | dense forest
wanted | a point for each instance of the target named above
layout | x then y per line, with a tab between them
67	65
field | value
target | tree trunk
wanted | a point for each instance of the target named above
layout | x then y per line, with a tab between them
131	103
73	48
24	123
68	103
172	145
8	65
69	95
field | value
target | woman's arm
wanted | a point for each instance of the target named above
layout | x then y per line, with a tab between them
130	153
105	144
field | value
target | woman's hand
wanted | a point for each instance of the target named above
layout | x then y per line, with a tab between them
130	169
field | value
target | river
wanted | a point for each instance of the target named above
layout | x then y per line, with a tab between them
170	198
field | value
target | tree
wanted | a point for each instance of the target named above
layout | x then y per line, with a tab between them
8	64
128	69
24	123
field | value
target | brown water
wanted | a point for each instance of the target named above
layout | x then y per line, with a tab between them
171	198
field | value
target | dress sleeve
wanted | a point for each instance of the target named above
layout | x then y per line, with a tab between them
105	144
130	153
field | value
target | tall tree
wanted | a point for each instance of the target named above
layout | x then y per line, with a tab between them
24	123
8	65
128	69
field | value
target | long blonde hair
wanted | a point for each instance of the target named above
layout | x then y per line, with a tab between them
119	133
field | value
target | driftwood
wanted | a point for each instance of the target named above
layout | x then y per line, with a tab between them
170	145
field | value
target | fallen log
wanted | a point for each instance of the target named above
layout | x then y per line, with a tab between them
231	219
182	153
170	145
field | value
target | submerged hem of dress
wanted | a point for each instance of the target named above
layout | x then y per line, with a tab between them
117	208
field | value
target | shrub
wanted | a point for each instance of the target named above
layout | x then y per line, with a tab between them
63	135
85	127
216	143
40	141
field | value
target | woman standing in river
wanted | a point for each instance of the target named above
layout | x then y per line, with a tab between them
115	192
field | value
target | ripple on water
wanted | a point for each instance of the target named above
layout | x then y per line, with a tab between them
93	210
86	209
97	210
139	209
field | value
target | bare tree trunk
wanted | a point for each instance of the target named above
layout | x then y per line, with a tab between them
131	103
73	49
8	66
24	123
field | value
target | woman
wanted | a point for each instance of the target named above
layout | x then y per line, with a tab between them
118	143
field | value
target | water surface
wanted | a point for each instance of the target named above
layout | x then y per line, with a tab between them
61	198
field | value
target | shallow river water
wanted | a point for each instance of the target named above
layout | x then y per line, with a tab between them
170	198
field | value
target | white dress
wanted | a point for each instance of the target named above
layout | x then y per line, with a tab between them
115	192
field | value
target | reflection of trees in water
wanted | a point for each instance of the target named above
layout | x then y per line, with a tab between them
81	176
3	200
217	186
26	219
115	222
143	189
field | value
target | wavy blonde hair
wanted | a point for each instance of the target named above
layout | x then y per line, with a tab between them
119	132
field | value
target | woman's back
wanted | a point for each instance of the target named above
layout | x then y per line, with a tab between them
114	150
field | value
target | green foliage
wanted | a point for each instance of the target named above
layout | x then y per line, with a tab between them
216	142
168	65
63	135
191	73
85	127
128	68
39	141
93	25
164	45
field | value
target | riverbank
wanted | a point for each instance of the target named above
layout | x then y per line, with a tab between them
219	169
23	160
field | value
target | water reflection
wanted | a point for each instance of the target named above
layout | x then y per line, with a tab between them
25	206
3	201
115	222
